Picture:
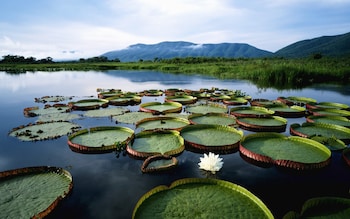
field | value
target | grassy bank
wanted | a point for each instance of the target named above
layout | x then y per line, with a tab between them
273	72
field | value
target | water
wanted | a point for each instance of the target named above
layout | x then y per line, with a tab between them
109	185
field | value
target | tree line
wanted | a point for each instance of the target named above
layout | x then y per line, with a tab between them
16	59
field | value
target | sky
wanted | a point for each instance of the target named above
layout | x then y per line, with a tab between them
73	29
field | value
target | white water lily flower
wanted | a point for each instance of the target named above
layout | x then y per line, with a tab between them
211	162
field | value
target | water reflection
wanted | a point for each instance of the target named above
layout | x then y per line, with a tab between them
107	186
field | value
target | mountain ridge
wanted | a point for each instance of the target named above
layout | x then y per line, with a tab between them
337	45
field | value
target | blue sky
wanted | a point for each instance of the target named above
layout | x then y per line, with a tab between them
72	29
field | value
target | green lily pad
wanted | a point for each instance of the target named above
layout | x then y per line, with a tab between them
183	99
330	112
322	129
48	109
291	152
235	101
100	139
288	111
323	207
332	143
270	124
212	118
132	117
153	92
158	163
200	198
327	105
149	143
336	120
57	98
265	102
162	122
161	108
293	100
43	130
109	93
124	100
209	137
251	111
106	112
32	192
206	108
88	104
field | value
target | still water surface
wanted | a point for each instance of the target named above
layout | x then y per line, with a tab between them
109	185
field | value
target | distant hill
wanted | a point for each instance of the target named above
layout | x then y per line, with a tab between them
166	50
335	46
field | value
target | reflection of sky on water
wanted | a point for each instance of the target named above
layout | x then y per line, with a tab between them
109	187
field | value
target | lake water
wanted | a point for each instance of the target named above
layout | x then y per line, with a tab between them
109	185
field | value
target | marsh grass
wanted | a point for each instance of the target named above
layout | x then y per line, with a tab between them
279	73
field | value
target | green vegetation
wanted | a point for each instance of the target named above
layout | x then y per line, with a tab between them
280	73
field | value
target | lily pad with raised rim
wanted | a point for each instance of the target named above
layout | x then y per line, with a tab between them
100	139
161	108
327	105
290	152
149	143
183	99
124	100
214	138
43	130
330	112
157	163
293	100
268	124
213	118
162	122
251	111
336	120
88	104
200	198
235	101
132	117
32	192
308	130
322	207
48	109
288	111
206	108
106	112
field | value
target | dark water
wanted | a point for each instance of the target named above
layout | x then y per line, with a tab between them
109	185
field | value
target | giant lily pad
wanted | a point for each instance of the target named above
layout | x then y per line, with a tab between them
43	130
336	120
48	109
327	105
213	118
330	112
251	111
270	124
207	108
293	100
149	143
235	101
214	138
132	117
106	112
124	100
32	192
100	139
88	104
323	207
162	122
288	111
321	129
291	152
200	198
161	108
158	163
183	99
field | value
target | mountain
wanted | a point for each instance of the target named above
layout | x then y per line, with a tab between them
338	45
166	50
